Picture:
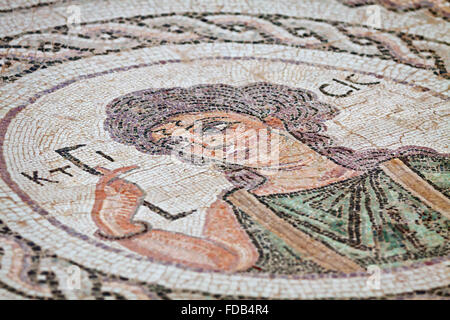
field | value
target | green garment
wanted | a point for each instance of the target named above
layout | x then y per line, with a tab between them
370	219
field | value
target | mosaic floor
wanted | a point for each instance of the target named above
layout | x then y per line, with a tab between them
224	149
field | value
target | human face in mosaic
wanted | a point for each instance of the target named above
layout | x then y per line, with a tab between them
232	138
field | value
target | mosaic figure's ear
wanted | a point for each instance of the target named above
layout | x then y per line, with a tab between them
274	122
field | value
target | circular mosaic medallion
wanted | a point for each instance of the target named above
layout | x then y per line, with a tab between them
219	153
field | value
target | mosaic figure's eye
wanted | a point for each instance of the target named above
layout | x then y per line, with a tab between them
216	126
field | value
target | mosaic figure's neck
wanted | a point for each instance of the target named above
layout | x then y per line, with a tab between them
301	168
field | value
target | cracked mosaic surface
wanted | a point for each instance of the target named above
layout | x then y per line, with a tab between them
102	198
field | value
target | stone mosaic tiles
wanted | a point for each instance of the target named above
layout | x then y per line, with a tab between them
224	149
